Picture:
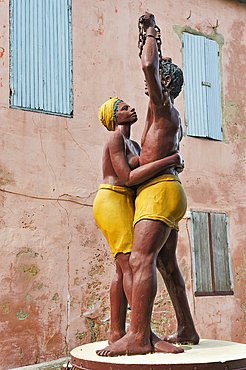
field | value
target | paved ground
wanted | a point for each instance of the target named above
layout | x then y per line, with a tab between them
53	365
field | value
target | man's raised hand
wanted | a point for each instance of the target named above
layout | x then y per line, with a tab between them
148	20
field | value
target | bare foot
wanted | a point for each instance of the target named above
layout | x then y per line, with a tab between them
115	335
128	345
159	345
183	336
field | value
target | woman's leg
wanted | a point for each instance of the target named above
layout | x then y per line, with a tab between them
118	306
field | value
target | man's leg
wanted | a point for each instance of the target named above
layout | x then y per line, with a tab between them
123	260
120	293
149	237
168	267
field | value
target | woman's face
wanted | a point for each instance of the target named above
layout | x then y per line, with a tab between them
125	114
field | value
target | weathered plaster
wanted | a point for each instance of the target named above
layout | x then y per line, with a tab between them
56	266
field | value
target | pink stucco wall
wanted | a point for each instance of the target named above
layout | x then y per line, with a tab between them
55	266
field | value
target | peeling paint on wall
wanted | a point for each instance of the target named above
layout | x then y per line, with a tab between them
26	253
28	298
213	36
243	306
5	307
55	297
30	271
80	336
21	314
240	270
1	52
6	177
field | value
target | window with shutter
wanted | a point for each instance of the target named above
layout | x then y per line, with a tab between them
211	253
41	56
202	92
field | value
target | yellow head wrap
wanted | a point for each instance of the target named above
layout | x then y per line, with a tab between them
105	113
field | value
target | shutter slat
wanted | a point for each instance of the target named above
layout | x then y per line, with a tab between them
44	56
19	59
35	46
201	248
27	50
220	252
23	53
52	64
55	53
214	116
69	61
32	56
40	56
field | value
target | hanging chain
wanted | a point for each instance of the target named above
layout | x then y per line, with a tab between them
141	43
142	35
142	38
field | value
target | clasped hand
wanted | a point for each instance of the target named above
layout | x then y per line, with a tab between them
148	20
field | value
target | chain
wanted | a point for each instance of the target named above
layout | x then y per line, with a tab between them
141	43
142	35
142	38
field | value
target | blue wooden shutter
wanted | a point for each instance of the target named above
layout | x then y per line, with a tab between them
201	87
41	56
194	92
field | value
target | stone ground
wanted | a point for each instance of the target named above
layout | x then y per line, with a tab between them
53	365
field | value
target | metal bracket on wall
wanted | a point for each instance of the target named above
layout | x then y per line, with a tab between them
206	83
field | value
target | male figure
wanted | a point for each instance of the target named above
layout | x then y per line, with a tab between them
160	204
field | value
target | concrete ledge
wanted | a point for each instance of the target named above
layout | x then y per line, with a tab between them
52	365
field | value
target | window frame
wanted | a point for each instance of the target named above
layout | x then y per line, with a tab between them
227	252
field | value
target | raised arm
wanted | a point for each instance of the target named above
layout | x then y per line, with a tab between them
150	61
142	173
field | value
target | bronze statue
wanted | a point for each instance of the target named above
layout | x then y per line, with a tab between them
160	204
114	206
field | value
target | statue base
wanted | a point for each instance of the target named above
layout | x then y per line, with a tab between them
207	355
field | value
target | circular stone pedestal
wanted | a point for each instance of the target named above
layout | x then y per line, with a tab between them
207	355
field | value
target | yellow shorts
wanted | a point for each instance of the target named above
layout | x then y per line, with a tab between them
113	210
162	198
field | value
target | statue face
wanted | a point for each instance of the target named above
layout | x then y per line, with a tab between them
125	114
